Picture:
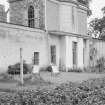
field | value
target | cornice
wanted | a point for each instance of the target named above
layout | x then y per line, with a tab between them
11	1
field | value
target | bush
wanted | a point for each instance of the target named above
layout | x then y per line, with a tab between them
79	70
15	69
49	69
101	64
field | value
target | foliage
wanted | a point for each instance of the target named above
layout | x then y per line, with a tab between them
15	69
36	79
93	53
49	69
91	92
85	2
97	26
103	10
79	70
97	65
101	64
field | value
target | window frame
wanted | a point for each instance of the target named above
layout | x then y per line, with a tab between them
31	16
36	58
53	54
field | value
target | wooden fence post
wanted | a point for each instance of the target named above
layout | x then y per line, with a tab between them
21	66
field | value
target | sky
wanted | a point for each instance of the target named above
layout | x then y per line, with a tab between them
95	6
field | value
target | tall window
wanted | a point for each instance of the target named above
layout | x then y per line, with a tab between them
31	16
36	58
84	49
74	46
73	18
53	54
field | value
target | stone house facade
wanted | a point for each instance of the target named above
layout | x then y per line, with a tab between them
51	32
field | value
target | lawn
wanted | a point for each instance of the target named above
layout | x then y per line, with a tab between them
65	77
45	80
48	89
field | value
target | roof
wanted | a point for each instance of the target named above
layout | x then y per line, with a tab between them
73	1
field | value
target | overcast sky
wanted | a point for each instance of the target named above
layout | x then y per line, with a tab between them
95	5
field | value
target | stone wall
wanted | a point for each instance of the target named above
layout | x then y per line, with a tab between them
19	12
13	37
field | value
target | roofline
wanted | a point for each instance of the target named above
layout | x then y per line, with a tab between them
71	1
62	33
21	27
78	4
11	1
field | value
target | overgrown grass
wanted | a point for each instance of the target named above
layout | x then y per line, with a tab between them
90	92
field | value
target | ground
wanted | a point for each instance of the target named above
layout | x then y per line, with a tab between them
69	76
57	79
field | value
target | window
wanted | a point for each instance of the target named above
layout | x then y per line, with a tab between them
36	58
74	47
31	16
84	49
53	54
73	18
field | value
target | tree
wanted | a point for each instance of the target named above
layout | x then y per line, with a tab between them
97	26
103	10
85	2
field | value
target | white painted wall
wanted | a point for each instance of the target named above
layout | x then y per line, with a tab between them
63	52
82	22
13	37
65	18
100	46
69	52
80	52
69	55
55	40
52	15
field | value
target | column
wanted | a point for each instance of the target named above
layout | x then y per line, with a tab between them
69	57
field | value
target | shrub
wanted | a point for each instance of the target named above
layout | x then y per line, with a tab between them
75	70
87	69
101	64
15	69
49	69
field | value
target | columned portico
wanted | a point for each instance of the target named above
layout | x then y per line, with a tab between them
70	50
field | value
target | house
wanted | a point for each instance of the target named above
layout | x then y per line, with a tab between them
50	32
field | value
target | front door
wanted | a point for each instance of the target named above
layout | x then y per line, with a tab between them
74	49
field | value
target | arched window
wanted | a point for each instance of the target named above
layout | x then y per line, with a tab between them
31	16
